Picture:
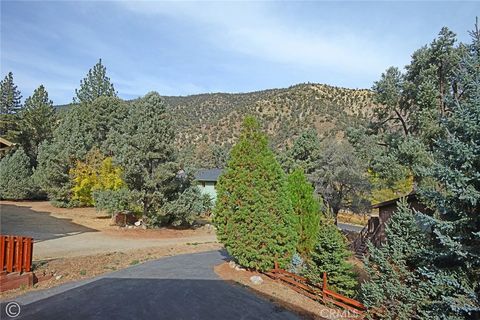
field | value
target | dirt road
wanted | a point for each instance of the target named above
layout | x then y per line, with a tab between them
62	232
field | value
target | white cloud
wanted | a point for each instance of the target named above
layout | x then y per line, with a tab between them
255	29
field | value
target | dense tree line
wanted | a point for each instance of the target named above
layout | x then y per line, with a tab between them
101	151
281	204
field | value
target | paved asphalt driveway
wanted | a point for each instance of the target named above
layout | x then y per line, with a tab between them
180	287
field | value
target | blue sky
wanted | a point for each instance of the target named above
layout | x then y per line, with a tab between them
180	48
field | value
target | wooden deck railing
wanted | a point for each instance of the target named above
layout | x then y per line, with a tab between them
16	253
317	292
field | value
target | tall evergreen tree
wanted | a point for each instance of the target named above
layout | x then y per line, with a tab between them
38	120
16	176
143	146
410	108
306	210
253	213
454	192
95	84
304	152
10	105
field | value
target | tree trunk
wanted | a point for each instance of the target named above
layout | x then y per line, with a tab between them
335	215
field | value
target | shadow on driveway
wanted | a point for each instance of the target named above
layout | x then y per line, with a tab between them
18	220
120	298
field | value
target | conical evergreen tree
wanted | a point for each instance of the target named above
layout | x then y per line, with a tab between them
16	176
95	84
38	120
306	210
10	105
330	255
253	213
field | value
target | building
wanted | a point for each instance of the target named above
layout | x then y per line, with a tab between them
375	229
207	180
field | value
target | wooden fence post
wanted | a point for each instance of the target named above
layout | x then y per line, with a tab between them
28	255
3	251
324	286
18	253
10	252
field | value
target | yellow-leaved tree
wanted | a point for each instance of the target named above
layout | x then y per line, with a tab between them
95	173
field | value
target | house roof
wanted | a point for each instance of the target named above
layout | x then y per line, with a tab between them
208	174
410	197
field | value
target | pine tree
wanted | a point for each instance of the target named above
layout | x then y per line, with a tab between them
304	152
16	176
38	120
10	105
454	193
395	289
96	84
306	210
143	146
253	213
330	255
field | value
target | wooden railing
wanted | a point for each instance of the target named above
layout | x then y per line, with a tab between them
317	292
373	231
16	253
362	237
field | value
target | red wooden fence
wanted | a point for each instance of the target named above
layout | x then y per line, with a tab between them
315	291
16	253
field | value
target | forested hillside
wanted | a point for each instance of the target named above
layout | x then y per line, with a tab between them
215	118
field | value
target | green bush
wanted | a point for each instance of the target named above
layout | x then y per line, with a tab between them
189	205
113	201
330	256
16	181
253	213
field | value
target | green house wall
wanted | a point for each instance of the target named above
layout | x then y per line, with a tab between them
208	187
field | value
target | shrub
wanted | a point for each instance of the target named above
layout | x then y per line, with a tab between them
189	205
113	201
330	256
16	181
96	173
253	212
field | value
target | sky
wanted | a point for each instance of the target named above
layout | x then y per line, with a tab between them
182	48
